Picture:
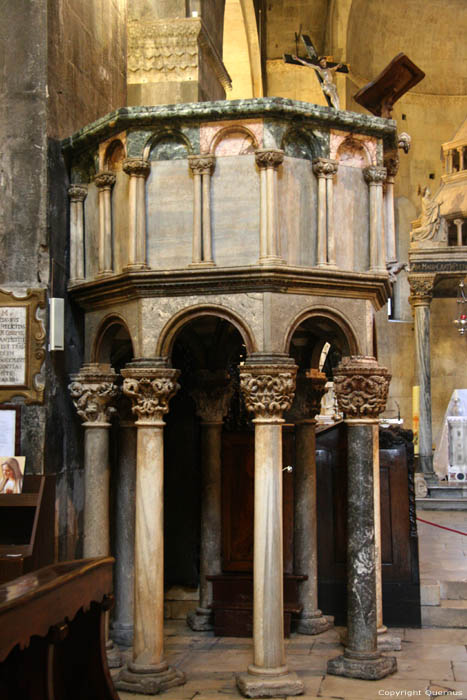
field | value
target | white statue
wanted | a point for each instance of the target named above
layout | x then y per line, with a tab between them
433	226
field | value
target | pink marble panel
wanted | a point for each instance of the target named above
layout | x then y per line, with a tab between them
355	150
231	138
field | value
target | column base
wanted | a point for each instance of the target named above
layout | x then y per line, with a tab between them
253	685
147	680
313	625
122	634
367	669
200	620
114	658
203	263
134	267
271	260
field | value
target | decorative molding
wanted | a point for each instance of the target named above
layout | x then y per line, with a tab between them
421	289
212	395
391	163
93	391
136	167
27	343
78	193
325	167
374	175
202	165
268	390
269	158
361	386
105	180
150	390
310	389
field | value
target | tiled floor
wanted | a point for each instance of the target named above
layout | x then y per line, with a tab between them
432	662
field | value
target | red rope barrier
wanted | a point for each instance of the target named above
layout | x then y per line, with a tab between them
443	527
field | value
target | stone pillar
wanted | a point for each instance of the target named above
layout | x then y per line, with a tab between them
391	164
458	224
449	162
325	169
268	161
77	195
138	169
93	390
361	387
212	396
267	383
421	292
150	385
125	495
375	176
104	182
460	151
202	168
308	395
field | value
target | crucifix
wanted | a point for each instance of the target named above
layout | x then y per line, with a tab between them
324	70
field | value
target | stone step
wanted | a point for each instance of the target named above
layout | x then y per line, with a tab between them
453	590
454	489
451	613
441	503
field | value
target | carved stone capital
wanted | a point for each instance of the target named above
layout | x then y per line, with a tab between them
105	180
361	386
421	290
212	395
310	389
268	390
78	193
150	390
269	158
136	167
93	391
374	175
202	165
325	167
391	163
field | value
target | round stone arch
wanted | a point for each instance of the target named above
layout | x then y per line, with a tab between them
105	336
230	131
173	138
331	315
174	326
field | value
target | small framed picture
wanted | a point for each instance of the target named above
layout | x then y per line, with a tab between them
11	474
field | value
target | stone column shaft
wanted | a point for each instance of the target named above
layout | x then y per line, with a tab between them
449	162
375	177
197	244
325	169
269	160
77	195
202	167
458	223
461	158
150	386
268	391
138	170
207	235
330	221
361	387
322	238
392	165
105	181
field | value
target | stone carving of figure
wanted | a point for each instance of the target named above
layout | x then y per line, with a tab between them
325	72
432	225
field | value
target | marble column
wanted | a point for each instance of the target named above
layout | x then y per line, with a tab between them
150	385
125	495
325	169
460	151
138	170
391	163
93	391
77	195
104	182
268	162
267	383
361	387
202	168
449	162
212	395
421	292
375	176
310	389
458	224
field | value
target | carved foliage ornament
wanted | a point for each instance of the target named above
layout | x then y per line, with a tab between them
77	193
150	393
374	175
202	165
138	167
361	387
391	163
268	390
269	158
421	289
325	167
105	180
93	393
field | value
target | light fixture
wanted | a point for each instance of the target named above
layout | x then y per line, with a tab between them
461	320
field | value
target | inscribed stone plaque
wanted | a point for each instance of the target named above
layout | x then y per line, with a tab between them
22	349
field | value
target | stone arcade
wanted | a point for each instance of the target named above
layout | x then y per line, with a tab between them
204	233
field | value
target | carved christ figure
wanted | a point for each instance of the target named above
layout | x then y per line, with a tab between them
325	72
432	224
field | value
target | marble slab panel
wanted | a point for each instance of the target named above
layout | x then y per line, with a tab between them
351	219
297	191
91	232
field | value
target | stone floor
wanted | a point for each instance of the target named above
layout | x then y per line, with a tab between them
432	662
